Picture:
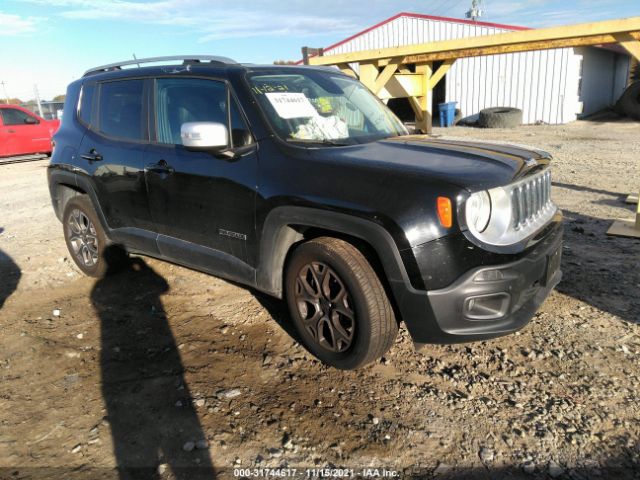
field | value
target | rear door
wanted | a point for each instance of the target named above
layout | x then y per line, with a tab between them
112	154
202	204
23	132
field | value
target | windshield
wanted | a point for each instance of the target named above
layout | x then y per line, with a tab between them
322	107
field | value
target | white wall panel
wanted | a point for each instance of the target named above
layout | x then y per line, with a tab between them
544	84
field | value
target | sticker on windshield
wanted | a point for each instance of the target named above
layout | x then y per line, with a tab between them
292	105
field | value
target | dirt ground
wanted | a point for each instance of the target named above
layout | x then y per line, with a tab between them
176	374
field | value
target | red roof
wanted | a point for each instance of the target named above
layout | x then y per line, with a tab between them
428	17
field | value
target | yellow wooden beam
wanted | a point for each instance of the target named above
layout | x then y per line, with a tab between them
425	124
346	68
415	106
385	75
515	48
403	85
630	44
570	35
441	72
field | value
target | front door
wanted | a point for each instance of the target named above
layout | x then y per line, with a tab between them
202	204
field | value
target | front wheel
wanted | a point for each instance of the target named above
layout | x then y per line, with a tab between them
338	304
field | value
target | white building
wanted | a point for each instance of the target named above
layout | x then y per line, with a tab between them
550	86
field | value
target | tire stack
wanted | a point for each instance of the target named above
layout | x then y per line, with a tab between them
629	103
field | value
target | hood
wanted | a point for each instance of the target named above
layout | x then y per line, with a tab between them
467	164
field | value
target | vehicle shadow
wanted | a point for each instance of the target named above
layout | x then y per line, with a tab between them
10	275
581	188
278	311
153	421
600	270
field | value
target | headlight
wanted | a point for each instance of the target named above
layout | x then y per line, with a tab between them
509	214
478	211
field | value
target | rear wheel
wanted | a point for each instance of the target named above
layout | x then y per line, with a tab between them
338	304
87	241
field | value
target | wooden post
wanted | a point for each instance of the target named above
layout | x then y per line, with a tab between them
308	52
425	124
632	68
626	228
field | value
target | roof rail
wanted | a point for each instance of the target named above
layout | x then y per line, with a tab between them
185	59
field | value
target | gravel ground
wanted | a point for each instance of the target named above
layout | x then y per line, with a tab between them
176	374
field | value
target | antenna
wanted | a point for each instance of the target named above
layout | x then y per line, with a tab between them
38	102
475	12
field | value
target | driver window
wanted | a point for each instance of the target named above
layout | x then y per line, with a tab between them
13	116
182	100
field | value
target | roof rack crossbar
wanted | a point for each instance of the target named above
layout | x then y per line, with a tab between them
139	61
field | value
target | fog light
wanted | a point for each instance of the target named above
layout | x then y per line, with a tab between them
488	276
487	307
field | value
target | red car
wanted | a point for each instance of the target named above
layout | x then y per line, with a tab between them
23	132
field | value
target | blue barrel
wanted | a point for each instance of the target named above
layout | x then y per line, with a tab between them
447	113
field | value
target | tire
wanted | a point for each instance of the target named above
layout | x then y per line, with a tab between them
86	240
361	325
629	103
500	117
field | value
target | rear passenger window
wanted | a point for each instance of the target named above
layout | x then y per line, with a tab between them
86	102
120	110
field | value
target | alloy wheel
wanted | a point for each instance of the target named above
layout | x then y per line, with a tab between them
83	238
324	304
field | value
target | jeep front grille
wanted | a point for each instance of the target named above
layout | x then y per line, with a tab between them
518	210
530	200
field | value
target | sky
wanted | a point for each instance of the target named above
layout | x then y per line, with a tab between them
49	43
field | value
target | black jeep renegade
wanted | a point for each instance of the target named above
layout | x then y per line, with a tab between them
298	182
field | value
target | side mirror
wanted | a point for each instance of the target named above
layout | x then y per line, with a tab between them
30	121
204	136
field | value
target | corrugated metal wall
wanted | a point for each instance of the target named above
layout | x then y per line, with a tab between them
544	84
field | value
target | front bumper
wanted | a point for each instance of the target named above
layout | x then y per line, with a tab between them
487	301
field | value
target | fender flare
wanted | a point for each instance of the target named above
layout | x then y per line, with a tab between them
279	234
71	180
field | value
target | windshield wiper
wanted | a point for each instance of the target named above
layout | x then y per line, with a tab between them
324	141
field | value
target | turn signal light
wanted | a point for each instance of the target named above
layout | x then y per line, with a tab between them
445	213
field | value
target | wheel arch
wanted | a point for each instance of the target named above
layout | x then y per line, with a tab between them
285	227
64	185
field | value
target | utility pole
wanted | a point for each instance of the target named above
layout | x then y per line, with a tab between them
35	91
475	12
6	97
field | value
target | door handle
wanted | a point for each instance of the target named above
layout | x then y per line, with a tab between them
11	131
161	167
92	156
